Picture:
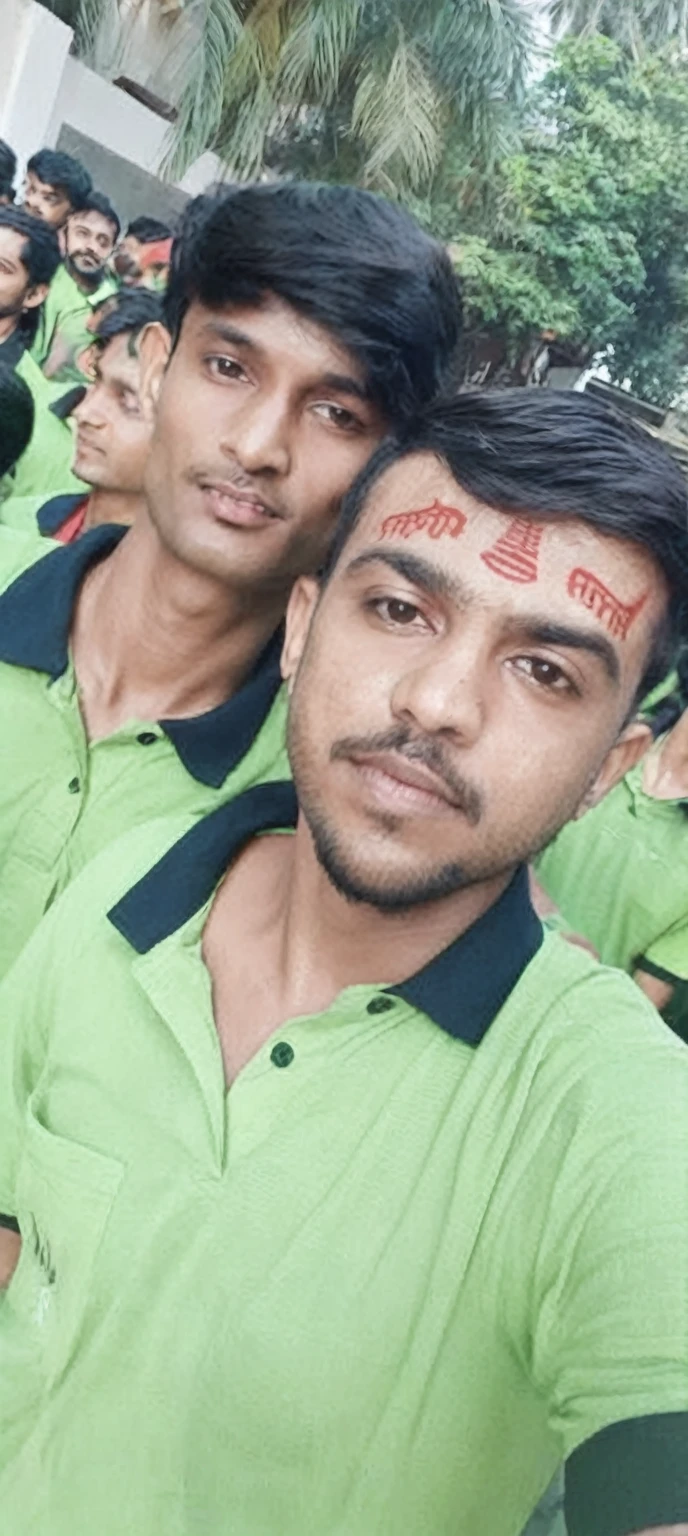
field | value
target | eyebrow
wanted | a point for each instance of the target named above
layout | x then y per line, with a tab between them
438	582
341	383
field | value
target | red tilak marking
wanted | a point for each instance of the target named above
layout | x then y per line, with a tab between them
435	520
592	593
515	554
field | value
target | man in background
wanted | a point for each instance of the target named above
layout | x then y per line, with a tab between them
140	253
8	171
113	428
56	186
16	417
80	284
29	259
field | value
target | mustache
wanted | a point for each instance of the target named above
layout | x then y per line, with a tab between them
427	750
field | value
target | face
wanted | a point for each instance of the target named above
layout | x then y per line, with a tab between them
113	431
461	687
126	261
262	424
89	243
45	202
15	289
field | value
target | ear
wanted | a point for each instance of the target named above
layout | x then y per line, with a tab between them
154	347
300	609
36	295
627	750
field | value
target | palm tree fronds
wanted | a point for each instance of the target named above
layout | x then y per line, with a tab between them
398	114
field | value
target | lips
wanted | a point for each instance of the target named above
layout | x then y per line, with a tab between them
394	779
239	509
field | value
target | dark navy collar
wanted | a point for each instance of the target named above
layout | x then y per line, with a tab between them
35	622
55	512
462	989
12	350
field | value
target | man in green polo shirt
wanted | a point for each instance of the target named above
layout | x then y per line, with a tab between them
82	283
139	669
29	258
619	875
350	1204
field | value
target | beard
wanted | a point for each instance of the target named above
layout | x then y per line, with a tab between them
11	311
92	275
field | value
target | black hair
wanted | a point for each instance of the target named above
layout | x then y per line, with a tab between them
97	202
64	173
546	453
16	417
148	230
8	164
7	190
348	260
41	251
668	710
131	311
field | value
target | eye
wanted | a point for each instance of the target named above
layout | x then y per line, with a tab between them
130	404
338	416
546	674
396	613
225	368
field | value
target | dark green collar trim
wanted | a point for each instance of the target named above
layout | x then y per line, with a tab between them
35	623
462	989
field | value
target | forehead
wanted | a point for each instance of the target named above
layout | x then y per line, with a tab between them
509	561
116	363
11	244
275	331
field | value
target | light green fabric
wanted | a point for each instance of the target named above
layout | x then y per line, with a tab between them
381	1290
45	468
62	327
620	877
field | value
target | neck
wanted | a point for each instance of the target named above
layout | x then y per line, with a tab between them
8	326
114	507
153	639
328	943
666	770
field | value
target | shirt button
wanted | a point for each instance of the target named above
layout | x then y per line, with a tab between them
146	738
282	1054
380	1004
74	786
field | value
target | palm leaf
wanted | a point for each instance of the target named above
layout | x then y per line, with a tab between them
316	49
397	113
202	100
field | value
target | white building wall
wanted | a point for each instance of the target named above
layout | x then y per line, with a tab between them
33	52
105	113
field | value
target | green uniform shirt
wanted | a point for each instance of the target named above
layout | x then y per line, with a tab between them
63	798
63	323
430	1242
620	877
46	465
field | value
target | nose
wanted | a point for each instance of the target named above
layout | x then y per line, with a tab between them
258	435
444	692
90	413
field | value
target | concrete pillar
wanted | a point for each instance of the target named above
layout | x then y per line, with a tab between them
34	48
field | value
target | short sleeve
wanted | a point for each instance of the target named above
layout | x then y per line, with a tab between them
669	953
610	1318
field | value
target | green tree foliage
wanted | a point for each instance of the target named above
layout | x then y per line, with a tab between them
585	230
639	25
370	90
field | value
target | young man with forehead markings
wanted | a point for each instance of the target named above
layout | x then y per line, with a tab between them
364	1203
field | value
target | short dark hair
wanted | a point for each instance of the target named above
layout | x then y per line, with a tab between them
40	251
348	260
8	163
97	202
148	230
64	173
547	454
129	313
7	190
16	417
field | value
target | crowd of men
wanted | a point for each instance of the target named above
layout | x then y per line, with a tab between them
343	896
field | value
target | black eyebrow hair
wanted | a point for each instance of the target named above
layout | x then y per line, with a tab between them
440	583
342	383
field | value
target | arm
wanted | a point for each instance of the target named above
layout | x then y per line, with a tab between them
659	991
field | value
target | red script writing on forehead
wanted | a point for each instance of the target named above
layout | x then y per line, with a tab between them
515	554
434	520
592	593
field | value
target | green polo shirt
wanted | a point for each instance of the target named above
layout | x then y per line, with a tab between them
46	465
63	320
620	877
431	1242
62	798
